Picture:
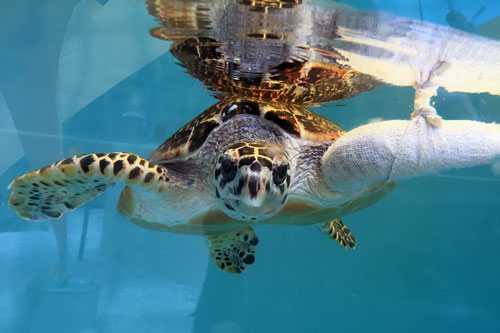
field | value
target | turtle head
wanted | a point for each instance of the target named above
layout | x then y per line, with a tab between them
252	180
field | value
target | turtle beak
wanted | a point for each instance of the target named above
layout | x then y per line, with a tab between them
254	188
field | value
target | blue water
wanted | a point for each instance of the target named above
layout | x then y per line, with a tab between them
85	76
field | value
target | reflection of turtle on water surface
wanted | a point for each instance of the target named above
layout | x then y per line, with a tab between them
236	165
233	49
309	82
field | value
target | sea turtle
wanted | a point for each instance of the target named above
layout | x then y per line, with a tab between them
239	163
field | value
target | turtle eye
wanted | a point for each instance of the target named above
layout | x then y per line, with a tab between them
279	173
228	168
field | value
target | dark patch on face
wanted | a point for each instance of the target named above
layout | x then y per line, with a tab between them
35	184
254	241
86	162
200	135
239	187
102	165
134	173
253	186
255	166
148	177
131	159
100	155
228	206
44	183
280	173
217	173
285	121
58	183
117	167
112	155
228	168
247	160
265	162
268	187
287	180
217	194
142	162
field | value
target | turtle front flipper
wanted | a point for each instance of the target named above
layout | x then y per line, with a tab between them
47	193
339	232
233	251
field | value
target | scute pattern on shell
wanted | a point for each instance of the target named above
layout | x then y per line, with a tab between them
296	121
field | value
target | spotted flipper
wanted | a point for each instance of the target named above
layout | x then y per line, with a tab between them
339	232
233	251
47	193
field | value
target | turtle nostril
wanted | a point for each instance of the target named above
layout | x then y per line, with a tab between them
255	166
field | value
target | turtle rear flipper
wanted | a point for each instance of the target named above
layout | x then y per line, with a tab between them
47	193
339	232
233	251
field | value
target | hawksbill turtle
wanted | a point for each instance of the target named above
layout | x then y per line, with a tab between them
240	163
